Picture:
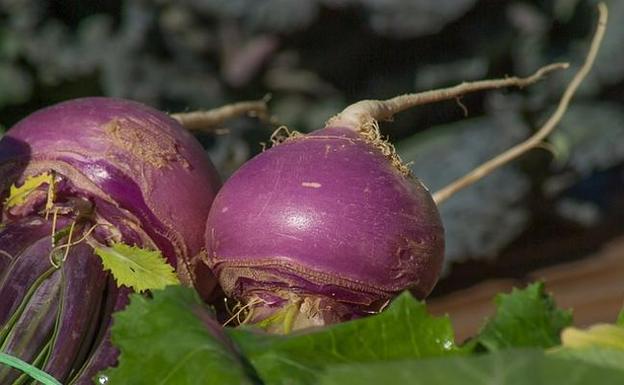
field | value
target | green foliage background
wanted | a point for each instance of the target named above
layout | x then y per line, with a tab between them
316	56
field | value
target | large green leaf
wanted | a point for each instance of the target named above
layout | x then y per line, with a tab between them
524	318
404	331
165	341
173	339
517	367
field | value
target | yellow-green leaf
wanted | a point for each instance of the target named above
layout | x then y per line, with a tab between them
137	268
18	195
601	335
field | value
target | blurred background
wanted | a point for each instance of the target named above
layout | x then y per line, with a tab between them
557	214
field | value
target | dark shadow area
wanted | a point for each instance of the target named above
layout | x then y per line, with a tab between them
14	156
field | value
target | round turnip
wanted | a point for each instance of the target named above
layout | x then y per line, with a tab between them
141	171
75	176
325	219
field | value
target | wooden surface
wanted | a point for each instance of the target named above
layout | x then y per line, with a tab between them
592	287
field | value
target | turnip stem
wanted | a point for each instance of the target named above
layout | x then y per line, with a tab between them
211	120
537	139
360	113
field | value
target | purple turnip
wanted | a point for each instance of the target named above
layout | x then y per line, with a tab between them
328	220
76	176
140	170
331	225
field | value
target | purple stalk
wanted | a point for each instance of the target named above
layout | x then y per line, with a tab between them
80	308
104	354
31	333
52	320
27	266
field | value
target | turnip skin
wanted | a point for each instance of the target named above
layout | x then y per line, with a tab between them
143	170
325	217
104	354
15	279
123	172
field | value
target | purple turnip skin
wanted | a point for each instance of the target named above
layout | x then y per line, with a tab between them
15	240
26	241
123	172
80	311
325	219
141	168
104	354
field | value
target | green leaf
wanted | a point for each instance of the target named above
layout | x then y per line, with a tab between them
164	341
524	318
137	268
600	356
517	367
620	318
602	335
601	344
32	371
404	330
